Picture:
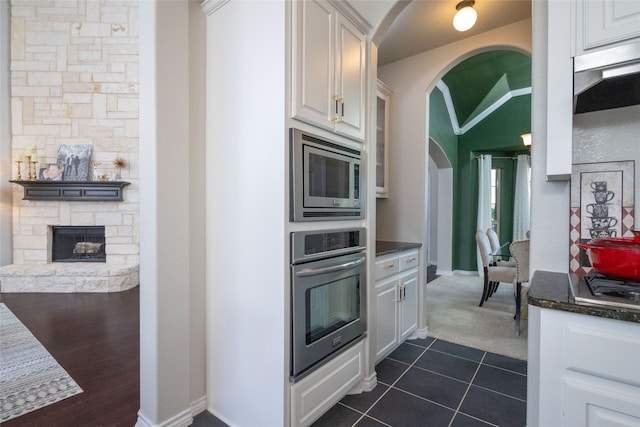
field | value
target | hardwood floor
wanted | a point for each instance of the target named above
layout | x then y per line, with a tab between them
96	338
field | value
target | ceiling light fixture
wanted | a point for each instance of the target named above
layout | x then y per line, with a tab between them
526	139
465	16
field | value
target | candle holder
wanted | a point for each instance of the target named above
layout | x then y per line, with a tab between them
19	177
34	176
30	176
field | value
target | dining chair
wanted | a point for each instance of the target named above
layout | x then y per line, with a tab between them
520	251
495	246
493	274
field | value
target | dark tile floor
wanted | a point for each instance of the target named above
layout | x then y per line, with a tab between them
436	383
433	383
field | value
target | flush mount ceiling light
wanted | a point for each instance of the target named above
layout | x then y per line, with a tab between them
465	16
526	139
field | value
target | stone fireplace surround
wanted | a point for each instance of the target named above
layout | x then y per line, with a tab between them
32	270
74	79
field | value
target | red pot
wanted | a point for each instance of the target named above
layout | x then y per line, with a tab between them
619	257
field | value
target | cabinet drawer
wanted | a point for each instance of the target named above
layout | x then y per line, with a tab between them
409	260
387	266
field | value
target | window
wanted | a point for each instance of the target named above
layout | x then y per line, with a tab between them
496	175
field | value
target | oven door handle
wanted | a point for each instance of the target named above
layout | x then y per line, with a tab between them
332	269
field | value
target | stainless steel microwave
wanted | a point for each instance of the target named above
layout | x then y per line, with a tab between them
326	179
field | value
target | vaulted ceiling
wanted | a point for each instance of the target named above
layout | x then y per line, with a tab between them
485	82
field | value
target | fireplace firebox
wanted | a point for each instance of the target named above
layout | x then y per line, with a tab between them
78	244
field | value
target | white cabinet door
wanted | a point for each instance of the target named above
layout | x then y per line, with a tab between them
328	69
350	79
313	46
598	403
602	23
386	316
409	306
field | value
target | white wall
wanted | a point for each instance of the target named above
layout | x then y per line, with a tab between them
403	215
165	217
549	200
247	248
197	260
6	165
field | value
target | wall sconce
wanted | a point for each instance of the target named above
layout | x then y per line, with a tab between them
526	139
465	16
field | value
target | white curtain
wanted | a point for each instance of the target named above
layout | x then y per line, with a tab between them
522	198
484	201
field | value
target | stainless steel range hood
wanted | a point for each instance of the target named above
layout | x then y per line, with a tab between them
607	79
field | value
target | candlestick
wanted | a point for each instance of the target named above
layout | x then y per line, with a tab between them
34	176
19	177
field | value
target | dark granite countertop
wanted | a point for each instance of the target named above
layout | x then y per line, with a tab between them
551	290
386	248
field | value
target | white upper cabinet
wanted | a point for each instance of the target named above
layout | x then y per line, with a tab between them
328	64
605	23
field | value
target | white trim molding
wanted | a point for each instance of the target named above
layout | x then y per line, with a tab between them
182	419
483	115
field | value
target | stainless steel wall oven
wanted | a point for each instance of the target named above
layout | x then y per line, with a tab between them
328	294
326	179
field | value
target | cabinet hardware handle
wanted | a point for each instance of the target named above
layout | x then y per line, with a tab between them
387	266
332	269
342	115
411	259
336	117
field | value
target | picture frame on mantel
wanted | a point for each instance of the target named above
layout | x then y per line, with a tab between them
602	205
75	159
51	172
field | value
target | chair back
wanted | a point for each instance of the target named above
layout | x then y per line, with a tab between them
495	242
484	246
520	252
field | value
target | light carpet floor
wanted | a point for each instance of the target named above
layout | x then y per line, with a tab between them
453	315
30	377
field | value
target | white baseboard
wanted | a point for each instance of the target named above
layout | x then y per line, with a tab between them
198	406
465	272
444	272
422	333
183	419
366	385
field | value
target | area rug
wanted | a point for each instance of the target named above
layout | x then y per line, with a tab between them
453	315
30	377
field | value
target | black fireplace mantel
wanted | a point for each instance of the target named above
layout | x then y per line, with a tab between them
84	191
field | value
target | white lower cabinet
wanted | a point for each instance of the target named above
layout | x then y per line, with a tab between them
315	394
583	370
396	293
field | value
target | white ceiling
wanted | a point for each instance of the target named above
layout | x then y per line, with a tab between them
427	24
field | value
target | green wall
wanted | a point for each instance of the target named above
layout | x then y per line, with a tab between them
498	135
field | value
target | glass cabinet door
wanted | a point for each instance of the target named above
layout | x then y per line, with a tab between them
382	140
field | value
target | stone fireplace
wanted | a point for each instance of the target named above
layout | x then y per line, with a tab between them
74	80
